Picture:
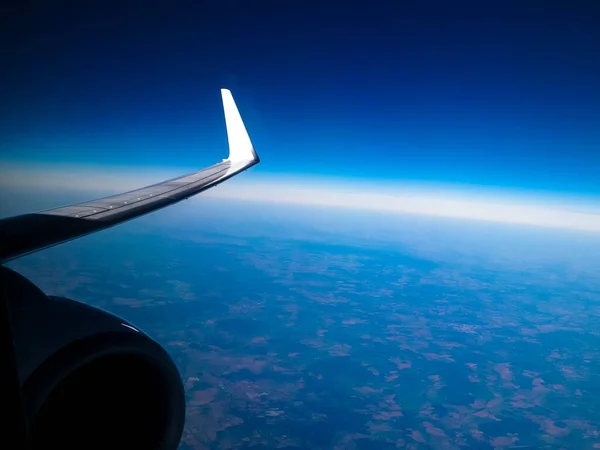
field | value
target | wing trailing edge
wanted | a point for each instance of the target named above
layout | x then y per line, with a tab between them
28	233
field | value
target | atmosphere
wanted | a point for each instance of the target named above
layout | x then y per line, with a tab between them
554	210
496	94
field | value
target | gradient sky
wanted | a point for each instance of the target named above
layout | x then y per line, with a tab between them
500	94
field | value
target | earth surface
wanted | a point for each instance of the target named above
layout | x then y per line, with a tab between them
297	327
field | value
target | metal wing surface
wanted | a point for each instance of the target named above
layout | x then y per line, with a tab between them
29	233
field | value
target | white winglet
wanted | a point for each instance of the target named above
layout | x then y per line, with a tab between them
240	146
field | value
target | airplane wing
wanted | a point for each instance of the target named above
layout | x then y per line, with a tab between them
28	233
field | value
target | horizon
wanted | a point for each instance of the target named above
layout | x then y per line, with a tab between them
479	203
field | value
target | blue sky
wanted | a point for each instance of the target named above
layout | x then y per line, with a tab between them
499	95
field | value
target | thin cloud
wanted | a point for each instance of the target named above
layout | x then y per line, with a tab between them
431	200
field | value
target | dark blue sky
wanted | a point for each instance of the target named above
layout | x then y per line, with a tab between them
499	93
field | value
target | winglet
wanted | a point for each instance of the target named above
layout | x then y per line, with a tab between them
240	146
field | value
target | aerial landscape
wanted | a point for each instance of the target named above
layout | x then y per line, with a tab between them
415	262
311	338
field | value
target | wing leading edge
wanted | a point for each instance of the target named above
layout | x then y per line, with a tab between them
28	233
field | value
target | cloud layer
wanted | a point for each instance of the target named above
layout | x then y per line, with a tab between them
432	200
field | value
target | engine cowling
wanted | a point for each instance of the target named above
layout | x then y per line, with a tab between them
89	378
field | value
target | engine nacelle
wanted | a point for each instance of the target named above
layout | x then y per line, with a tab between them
90	379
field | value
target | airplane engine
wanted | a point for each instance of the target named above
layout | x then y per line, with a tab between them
88	378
